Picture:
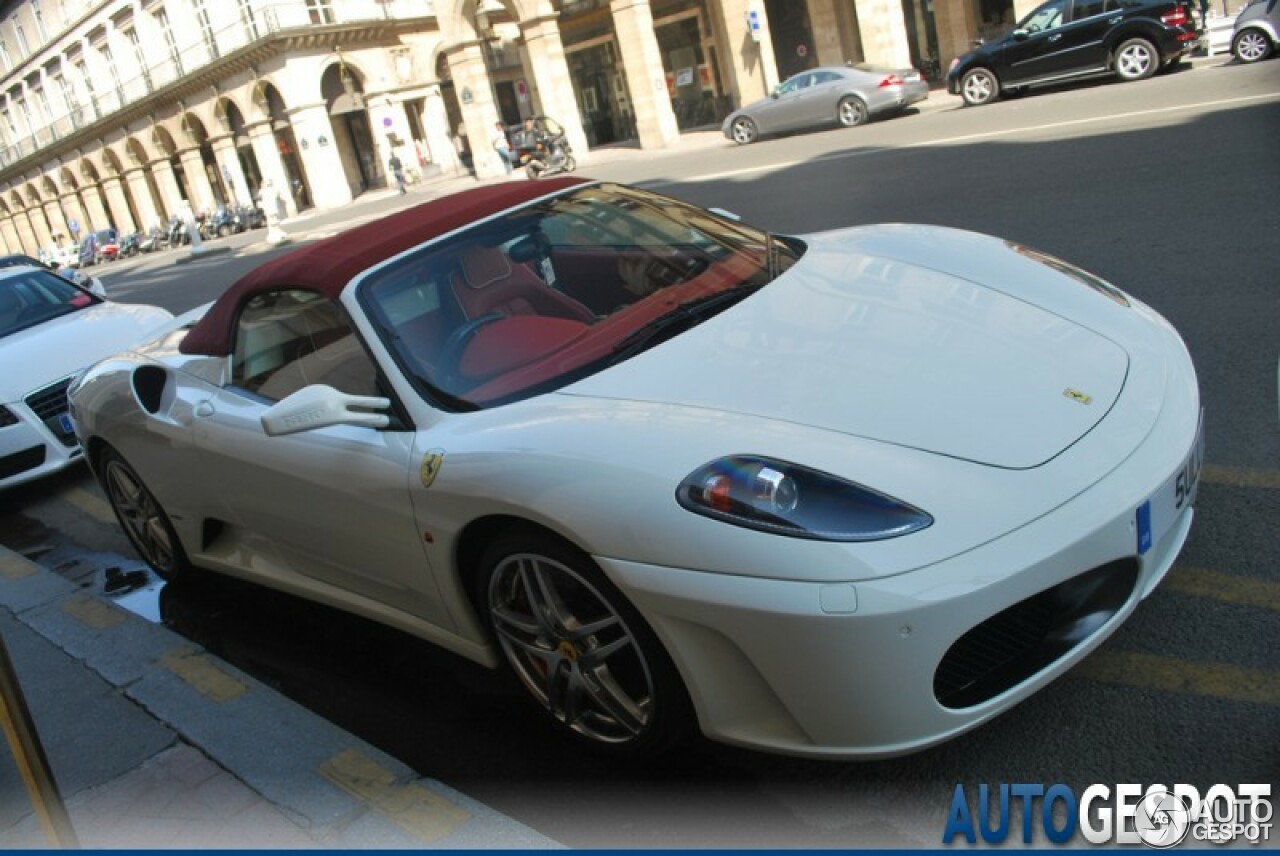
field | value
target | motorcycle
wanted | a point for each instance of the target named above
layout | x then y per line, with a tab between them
550	152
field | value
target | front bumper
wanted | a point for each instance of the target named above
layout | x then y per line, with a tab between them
40	442
852	670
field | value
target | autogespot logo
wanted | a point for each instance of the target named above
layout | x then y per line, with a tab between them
1158	816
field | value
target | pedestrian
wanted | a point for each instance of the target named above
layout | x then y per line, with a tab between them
397	169
502	146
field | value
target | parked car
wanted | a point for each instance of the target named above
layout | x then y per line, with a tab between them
50	329
1066	40
837	95
1257	31
108	243
673	470
88	254
80	278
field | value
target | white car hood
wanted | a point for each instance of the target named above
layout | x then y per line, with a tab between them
857	339
47	352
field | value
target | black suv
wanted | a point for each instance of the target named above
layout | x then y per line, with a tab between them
1069	39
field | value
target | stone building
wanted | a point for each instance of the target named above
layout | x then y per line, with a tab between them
125	113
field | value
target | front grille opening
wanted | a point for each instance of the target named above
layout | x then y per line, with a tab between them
20	462
1013	645
50	405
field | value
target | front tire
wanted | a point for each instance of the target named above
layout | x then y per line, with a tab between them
142	518
1136	59
979	86
744	131
1251	46
852	112
582	652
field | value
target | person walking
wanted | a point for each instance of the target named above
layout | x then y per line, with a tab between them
397	169
502	146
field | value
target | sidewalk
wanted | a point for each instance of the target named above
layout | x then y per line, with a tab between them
156	744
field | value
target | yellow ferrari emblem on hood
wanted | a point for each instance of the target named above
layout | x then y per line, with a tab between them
431	463
1077	395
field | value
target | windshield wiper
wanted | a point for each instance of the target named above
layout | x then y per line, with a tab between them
677	320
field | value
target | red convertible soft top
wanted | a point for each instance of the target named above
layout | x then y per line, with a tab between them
328	265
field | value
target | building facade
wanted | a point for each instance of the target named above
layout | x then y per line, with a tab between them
127	113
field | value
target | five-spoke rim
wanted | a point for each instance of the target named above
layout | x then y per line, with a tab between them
1134	60
571	649
743	131
140	514
978	87
852	112
1251	47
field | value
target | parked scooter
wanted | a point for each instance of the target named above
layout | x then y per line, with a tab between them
550	152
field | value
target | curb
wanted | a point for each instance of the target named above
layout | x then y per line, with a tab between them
118	699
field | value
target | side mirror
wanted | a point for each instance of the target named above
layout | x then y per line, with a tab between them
1020	34
318	406
774	93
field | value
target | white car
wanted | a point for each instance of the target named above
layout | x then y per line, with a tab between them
50	329
846	494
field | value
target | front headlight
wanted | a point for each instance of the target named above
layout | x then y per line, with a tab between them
788	499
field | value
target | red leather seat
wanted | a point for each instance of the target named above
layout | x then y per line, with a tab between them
488	281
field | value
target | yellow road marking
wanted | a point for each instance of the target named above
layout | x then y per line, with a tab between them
93	612
91	504
412	807
201	672
1171	674
1228	588
15	567
1241	476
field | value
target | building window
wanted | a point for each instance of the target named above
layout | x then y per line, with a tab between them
321	11
83	71
206	28
68	100
39	16
23	47
4	56
247	19
105	50
162	18
131	36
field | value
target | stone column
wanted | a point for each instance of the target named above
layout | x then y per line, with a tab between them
479	112
435	123
263	139
884	33
545	52
167	183
26	237
826	32
198	187
74	211
9	232
93	206
113	188
957	24
749	67
53	211
650	103
325	175
224	152
39	227
136	181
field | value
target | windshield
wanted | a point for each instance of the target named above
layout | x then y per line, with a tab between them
549	293
33	297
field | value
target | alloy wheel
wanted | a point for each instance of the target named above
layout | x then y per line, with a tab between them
979	86
571	649
1136	60
1251	46
743	130
141	515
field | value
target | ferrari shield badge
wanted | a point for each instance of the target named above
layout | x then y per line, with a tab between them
431	463
1073	394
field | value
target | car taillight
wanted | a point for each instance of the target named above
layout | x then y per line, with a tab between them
891	80
1177	18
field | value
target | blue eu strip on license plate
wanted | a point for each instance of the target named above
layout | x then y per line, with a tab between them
1144	527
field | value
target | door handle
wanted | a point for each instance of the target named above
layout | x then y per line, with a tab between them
1117	19
204	409
1055	37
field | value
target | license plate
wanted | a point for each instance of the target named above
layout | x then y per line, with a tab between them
64	422
1157	514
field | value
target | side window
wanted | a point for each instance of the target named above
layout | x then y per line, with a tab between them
286	340
823	77
1087	9
1047	17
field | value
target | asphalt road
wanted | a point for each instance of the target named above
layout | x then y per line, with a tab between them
1168	188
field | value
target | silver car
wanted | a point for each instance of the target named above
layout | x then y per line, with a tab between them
1257	31
845	95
